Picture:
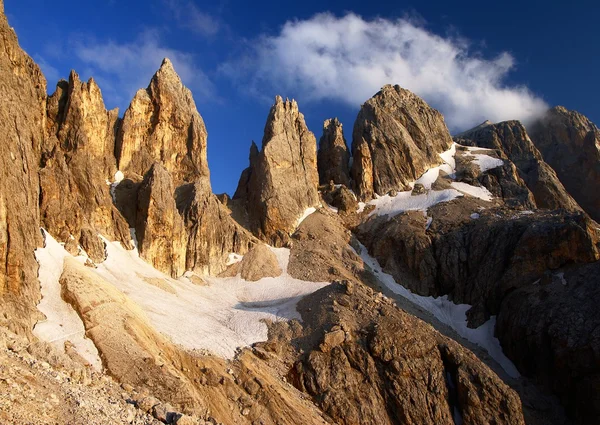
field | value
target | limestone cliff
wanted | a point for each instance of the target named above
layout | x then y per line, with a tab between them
333	158
163	125
22	122
283	179
570	143
396	138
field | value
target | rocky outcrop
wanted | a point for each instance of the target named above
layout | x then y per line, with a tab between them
396	138
282	181
375	364
77	162
163	125
511	138
551	330
503	181
161	237
333	158
79	120
569	143
211	232
480	260
22	122
340	197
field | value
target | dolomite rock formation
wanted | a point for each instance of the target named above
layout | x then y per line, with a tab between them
159	228
77	162
163	125
282	181
551	330
396	138
333	158
570	144
22	122
211	232
80	121
511	138
375	364
477	261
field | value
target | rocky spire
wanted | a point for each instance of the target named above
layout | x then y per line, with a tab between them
163	125
396	138
512	138
333	157
283	178
570	143
22	123
80	121
78	154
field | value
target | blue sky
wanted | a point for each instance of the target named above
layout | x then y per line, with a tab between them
472	60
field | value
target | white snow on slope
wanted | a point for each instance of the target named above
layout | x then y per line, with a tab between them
62	322
305	215
405	201
220	317
477	192
454	315
485	162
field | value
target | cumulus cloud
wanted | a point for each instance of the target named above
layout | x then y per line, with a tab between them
349	59
123	68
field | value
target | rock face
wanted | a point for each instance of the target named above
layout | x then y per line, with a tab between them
570	143
551	330
477	261
333	158
511	138
282	181
80	121
211	232
22	122
396	138
163	125
159	228
77	161
383	366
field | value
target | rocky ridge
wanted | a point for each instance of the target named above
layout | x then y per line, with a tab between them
512	139
569	142
333	157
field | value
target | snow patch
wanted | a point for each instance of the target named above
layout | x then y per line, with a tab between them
475	216
220	317
477	192
404	201
119	177
454	315
305	215
233	258
62	321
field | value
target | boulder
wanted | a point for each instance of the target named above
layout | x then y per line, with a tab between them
258	263
282	181
333	158
396	138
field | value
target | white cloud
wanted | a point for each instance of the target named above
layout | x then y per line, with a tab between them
123	68
190	17
349	59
